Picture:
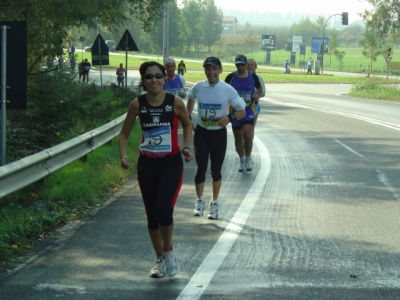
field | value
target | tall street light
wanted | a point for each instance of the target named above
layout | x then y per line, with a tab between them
166	30
345	21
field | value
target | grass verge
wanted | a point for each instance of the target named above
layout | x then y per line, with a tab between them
373	89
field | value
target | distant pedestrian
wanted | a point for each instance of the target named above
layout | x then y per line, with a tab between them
121	73
174	83
181	68
72	51
86	69
81	69
72	63
368	71
309	66
286	66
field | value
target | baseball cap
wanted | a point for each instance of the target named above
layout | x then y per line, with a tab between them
212	61
240	59
169	60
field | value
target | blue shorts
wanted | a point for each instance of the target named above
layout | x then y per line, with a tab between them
248	119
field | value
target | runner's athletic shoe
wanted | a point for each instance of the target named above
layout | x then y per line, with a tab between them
248	165
171	262
242	166
159	268
199	208
213	213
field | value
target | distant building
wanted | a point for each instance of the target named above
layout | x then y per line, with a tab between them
229	25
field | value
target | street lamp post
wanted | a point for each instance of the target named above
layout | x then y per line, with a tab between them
166	30
344	22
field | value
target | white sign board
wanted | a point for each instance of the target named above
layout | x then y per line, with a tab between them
297	40
388	59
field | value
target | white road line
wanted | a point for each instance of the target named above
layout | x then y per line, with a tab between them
350	149
357	117
202	278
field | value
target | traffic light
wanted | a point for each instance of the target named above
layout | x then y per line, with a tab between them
389	50
345	18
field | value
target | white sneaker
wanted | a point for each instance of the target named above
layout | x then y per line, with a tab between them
159	268
213	213
171	262
199	208
248	165
242	166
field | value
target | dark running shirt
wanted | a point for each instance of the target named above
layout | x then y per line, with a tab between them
159	128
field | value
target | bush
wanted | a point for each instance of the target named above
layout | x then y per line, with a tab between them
60	108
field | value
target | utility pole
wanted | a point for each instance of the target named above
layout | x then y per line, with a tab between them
166	30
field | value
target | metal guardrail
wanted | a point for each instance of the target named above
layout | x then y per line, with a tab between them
18	174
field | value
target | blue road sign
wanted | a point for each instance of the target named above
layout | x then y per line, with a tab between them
316	44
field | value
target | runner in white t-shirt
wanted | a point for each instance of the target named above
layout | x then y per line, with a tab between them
214	97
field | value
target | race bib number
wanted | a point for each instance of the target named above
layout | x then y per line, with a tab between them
245	95
157	142
210	114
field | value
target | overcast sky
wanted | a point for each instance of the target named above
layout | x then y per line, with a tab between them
335	7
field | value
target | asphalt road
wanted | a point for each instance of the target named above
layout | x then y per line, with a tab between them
318	218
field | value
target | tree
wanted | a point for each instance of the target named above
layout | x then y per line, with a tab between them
371	44
306	29
192	22
211	19
50	21
251	41
339	56
333	44
384	18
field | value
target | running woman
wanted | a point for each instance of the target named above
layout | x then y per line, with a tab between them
214	97
160	165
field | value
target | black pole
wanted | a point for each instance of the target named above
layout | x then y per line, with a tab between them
126	60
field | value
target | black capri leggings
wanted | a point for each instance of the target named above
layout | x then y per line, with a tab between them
160	180
209	144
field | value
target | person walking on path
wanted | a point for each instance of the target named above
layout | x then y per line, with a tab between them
174	83
214	97
160	164
81	70
368	71
121	73
181	68
72	51
287	67
252	66
86	69
309	66
248	87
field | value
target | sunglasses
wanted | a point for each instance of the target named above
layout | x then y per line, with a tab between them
151	76
240	65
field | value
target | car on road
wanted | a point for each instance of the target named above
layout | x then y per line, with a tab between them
111	45
89	48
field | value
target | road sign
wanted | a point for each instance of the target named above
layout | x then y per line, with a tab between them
297	40
127	43
316	44
388	59
82	39
16	64
268	42
100	52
